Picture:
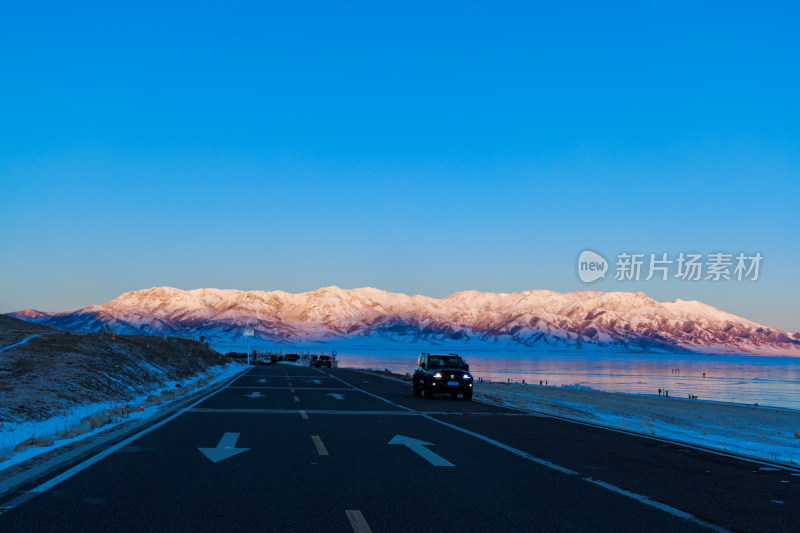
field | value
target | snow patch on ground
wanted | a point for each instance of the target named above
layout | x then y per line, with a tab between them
12	434
758	432
23	341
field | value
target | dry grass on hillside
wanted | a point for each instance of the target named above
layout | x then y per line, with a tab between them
14	330
60	370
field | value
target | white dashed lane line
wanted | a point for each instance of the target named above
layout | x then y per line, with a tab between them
319	445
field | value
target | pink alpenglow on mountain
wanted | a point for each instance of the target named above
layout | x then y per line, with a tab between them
368	317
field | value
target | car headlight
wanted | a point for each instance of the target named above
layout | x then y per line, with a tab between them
466	376
437	375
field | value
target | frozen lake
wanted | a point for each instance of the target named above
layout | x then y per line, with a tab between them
772	381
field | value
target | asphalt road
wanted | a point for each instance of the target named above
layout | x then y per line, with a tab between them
287	448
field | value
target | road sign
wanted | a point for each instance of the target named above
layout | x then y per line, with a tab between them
248	332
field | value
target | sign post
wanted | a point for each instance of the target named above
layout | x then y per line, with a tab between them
248	332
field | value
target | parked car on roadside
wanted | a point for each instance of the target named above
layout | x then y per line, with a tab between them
442	373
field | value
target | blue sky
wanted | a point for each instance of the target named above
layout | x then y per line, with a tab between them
423	148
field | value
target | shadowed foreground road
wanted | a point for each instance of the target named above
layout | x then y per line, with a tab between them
288	448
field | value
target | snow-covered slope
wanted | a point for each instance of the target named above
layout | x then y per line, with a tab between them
536	319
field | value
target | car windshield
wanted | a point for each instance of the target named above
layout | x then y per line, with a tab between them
453	362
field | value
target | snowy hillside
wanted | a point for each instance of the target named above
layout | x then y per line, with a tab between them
536	319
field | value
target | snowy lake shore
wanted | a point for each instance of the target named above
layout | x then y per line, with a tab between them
764	433
767	433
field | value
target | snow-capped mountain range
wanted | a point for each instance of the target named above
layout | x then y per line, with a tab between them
368	317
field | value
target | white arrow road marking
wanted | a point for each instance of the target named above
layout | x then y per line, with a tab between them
262	380
225	449
254	395
418	447
336	396
318	382
357	522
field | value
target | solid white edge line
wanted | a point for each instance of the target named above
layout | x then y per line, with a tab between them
542	414
608	486
357	522
284	388
108	451
370	394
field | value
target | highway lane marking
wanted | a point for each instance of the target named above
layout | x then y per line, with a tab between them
418	446
479	400
336	396
318	444
303	415
319	412
291	390
225	449
613	488
255	394
669	442
543	462
336	412
296	399
284	388
49	484
357	522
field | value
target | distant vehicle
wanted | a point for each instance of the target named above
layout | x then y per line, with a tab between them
264	360
442	373
322	360
292	357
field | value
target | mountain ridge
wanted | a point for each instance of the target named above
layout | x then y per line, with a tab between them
534	319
